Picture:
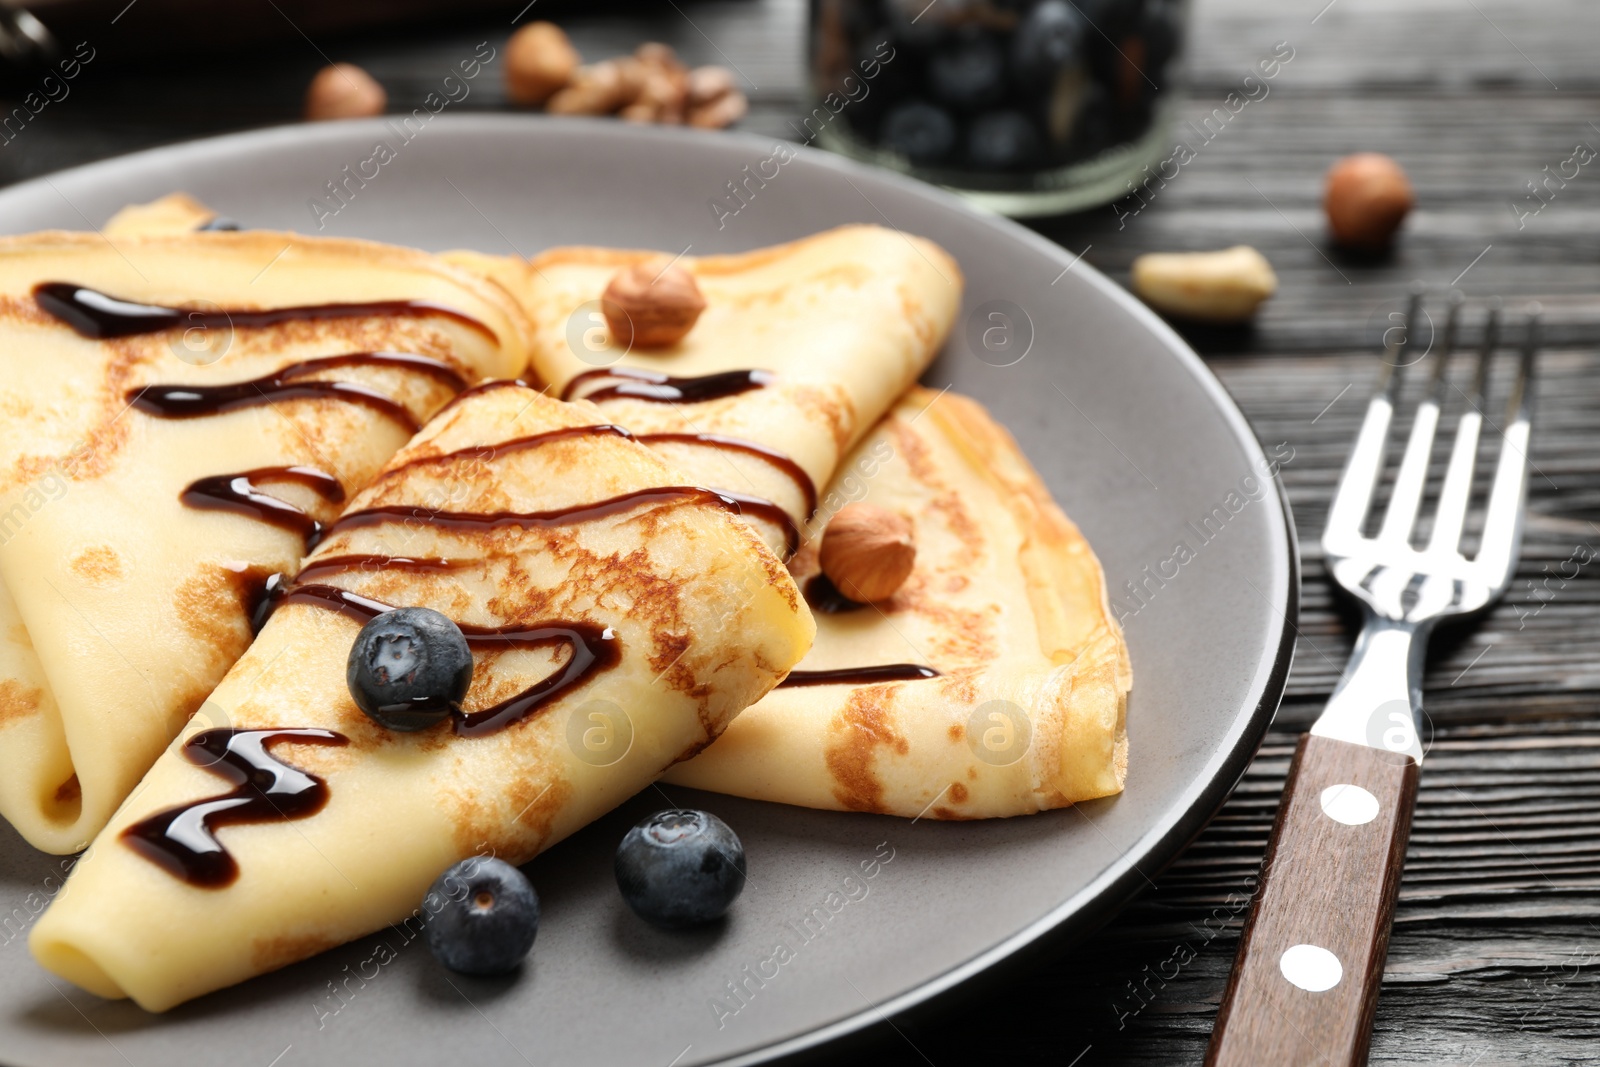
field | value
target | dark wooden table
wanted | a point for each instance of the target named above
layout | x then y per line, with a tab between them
1495	950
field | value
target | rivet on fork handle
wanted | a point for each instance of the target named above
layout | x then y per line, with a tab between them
1305	986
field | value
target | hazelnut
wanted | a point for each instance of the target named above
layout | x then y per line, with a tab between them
599	89
724	111
539	61
660	57
867	552
344	91
661	98
651	306
1367	198
709	84
1225	286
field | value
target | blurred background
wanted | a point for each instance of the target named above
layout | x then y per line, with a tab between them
1489	110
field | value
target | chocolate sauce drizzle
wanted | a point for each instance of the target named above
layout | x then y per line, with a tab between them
594	648
238	493
640	384
183	841
760	508
487	387
741	504
802	480
101	317
370	563
539	520
888	672
262	600
485	453
198	401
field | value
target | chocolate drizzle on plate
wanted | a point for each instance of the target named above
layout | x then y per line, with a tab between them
887	672
183	841
594	648
100	316
239	493
635	383
199	401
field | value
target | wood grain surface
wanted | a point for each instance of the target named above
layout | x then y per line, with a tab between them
1495	953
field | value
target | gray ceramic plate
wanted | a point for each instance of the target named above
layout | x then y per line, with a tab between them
1137	440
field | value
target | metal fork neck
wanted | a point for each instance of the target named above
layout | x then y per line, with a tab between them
1378	702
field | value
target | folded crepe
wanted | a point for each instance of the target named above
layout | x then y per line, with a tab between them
166	446
619	620
801	348
1007	603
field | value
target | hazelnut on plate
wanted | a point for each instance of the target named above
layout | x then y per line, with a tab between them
1368	196
344	91
649	305
539	61
867	552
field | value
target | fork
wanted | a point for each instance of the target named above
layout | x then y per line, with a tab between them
1305	983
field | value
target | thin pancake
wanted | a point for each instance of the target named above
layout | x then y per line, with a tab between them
844	321
702	618
124	605
1007	602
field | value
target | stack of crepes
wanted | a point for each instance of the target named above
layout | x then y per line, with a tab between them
211	431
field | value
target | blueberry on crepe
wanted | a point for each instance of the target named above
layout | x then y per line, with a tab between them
586	575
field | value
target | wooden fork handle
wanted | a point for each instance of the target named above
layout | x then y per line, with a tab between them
1305	983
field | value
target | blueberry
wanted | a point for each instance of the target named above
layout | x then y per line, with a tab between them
920	132
483	916
969	72
1048	39
409	668
680	868
1002	140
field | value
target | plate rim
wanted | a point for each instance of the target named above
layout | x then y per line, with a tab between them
1095	903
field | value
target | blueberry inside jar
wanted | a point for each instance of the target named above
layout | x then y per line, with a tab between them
1029	107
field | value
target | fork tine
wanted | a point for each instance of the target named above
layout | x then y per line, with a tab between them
1360	476
1457	491
1502	526
1413	476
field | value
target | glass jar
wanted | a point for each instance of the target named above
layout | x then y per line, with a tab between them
1027	107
